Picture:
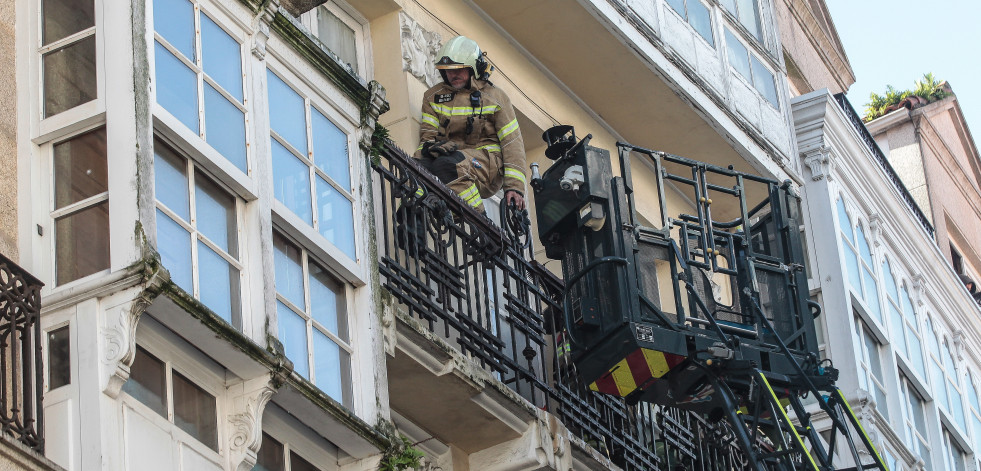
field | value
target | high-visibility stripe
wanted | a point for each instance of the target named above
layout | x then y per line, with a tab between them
638	366
787	422
623	377
635	370
507	129
421	145
854	419
656	362
463	110
469	192
605	385
430	120
420	192
490	148
515	174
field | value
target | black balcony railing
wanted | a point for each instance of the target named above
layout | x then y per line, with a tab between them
475	284
883	162
21	411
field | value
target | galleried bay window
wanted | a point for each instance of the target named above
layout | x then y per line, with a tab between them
311	165
748	14
199	77
68	54
697	15
903	322
311	308
858	258
751	68
197	234
81	206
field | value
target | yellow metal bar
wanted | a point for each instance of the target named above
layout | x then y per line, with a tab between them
858	425
786	418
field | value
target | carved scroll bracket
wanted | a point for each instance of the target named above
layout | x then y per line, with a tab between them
818	160
260	25
248	401
119	332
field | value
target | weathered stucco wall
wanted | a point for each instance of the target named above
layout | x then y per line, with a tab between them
8	132
812	62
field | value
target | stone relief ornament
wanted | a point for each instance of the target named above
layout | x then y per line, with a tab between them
419	48
246	426
818	160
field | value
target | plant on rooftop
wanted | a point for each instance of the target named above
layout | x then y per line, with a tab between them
927	88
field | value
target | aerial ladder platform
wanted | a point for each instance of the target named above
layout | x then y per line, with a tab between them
689	311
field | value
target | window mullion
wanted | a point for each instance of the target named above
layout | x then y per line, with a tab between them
319	172
66	41
193	209
333	337
79	205
307	316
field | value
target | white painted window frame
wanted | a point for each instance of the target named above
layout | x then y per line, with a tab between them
196	368
862	332
918	438
242	263
354	20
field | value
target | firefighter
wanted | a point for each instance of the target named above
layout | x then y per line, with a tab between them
469	137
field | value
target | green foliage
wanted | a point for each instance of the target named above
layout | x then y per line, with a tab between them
378	139
927	88
401	456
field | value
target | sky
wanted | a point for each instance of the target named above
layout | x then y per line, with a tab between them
895	42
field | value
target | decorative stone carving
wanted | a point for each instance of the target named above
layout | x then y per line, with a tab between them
918	289
818	160
245	420
261	24
119	333
369	116
957	338
875	229
419	48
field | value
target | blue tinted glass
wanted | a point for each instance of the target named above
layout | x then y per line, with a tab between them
289	271
174	245
326	299
678	5
700	19
291	182
939	388
216	215
221	57
863	246
327	360
738	55
219	284
730	5
916	354
763	81
851	260
177	89
170	180
872	295
293	334
890	281
896	328
330	150
844	222
225	127
749	17
286	113
174	20
336	217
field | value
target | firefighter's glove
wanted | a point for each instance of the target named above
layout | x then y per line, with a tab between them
439	148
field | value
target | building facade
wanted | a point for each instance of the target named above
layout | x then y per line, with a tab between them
197	188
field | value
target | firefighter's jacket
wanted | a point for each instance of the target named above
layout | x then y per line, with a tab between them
494	151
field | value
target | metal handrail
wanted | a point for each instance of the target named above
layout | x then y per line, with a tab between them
21	409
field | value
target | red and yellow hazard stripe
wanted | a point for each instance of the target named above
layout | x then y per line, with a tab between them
635	370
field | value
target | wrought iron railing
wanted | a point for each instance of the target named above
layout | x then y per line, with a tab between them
21	411
883	162
474	283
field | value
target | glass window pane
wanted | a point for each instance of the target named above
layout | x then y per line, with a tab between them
844	222
219	284
177	89
289	270
738	55
729	5
62	18
749	17
327	359
174	246
69	76
216	215
80	168
286	113
330	150
195	411
891	288
170	180
763	81
897	329
291	179
221	57
337	36
336	217
59	358
293	335
174	20
851	261
872	295
147	382
225	127
700	19
916	354
82	243
300	464
270	455
678	6
327	301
